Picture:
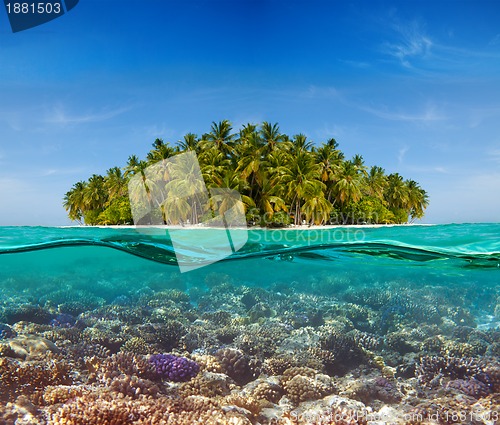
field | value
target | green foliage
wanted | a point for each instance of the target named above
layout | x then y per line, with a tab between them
369	210
281	179
276	220
400	215
91	217
118	212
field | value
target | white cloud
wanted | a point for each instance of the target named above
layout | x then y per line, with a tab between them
411	43
402	153
315	92
427	115
338	132
61	171
59	115
158	131
439	169
415	50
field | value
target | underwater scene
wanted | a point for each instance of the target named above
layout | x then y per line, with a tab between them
333	325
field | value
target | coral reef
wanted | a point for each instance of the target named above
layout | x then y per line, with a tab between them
237	365
224	353
174	368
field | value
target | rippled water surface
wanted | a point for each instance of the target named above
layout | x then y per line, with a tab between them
465	254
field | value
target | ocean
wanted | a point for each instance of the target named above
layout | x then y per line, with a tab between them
385	318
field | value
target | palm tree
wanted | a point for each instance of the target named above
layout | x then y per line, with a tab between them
317	209
161	152
268	200
246	132
396	194
376	182
187	193
300	179
74	201
95	195
220	137
115	183
329	160
189	143
348	185
143	190
417	200
251	159
214	165
300	144
271	135
359	163
223	200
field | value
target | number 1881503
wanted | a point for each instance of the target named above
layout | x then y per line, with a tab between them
33	8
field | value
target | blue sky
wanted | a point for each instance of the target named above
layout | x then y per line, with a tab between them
413	86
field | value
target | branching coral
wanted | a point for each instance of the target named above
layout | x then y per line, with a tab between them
432	369
108	409
128	364
30	377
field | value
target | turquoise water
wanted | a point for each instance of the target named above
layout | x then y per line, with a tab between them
115	261
417	306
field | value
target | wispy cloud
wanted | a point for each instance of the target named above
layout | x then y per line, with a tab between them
433	169
61	171
336	131
402	153
429	114
413	48
60	116
158	131
411	43
321	92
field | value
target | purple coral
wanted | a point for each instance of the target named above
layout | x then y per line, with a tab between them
471	387
174	368
63	320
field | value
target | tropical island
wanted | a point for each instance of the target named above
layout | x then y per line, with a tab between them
282	180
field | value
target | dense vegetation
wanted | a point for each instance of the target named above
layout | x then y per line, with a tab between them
282	180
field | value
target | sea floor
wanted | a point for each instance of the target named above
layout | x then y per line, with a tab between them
314	351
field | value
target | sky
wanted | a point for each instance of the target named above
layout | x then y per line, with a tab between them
412	86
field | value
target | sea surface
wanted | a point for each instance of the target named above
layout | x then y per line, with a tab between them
118	261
